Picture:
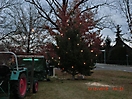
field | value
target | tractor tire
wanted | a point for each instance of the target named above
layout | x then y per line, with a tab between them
20	87
35	86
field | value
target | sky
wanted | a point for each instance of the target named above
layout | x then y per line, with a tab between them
115	17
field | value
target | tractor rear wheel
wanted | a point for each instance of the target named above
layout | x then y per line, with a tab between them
35	86
20	87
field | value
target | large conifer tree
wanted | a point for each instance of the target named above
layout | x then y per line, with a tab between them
73	54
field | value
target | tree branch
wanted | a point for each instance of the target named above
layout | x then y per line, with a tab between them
38	6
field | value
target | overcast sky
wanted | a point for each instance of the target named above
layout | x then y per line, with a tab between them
114	14
115	17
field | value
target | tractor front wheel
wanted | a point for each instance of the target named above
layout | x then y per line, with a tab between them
20	87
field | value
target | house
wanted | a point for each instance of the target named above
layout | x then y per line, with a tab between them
120	53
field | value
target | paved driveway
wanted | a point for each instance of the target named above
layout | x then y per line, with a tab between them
113	67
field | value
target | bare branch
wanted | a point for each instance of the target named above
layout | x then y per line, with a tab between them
52	8
79	3
40	10
6	35
97	6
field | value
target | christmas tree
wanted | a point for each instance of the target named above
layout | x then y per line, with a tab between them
73	55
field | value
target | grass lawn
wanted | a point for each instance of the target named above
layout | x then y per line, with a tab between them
120	87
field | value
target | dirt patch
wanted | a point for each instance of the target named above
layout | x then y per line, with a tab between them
98	84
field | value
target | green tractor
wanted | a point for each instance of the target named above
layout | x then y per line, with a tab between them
20	74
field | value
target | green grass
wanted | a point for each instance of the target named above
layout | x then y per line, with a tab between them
78	89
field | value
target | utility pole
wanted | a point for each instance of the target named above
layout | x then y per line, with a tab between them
104	55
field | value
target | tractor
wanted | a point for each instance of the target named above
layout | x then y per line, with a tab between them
19	74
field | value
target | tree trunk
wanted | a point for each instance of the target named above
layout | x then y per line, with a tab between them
73	77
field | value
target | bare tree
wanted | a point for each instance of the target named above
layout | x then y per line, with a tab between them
5	5
49	10
125	6
28	35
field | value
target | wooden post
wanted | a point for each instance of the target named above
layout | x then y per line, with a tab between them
32	75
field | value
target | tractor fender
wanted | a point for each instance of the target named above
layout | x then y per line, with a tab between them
15	74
